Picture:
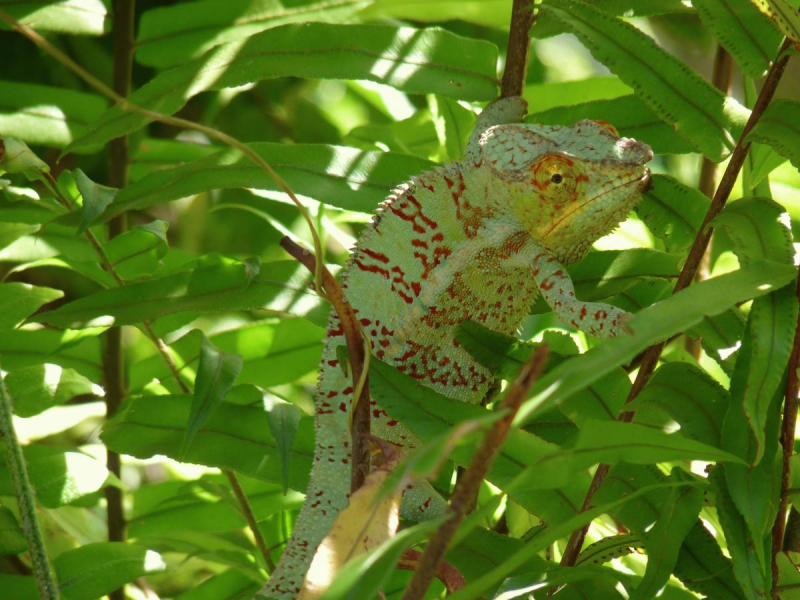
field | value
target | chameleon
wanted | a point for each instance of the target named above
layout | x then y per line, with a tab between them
477	239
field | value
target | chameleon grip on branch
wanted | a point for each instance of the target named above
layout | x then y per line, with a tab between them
478	239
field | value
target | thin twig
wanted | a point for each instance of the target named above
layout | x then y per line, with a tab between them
465	495
360	417
519	45
26	500
687	275
250	517
787	443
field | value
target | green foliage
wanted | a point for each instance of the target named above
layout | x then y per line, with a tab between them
346	100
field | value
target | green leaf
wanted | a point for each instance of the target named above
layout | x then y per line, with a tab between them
742	30
20	300
12	539
172	35
486	13
340	176
778	127
720	336
653	324
96	198
284	418
609	548
630	115
609	442
216	374
58	476
747	569
428	414
678	95
94	570
46	115
785	15
415	135
79	350
280	286
76	17
36	388
234	437
414	61
673	212
690	397
11	232
228	584
155	154
677	517
19	586
16	157
138	251
502	354
759	228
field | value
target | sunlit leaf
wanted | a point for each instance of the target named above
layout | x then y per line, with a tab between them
77	17
673	212
20	300
777	127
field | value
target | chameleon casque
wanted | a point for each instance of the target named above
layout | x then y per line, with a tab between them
477	239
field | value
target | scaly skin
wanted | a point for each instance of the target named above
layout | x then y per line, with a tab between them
476	240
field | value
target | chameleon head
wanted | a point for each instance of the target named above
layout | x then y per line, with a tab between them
568	186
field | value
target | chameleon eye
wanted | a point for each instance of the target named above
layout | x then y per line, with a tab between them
558	178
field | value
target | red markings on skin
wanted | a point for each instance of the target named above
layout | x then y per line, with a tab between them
448	181
372	269
419	244
546	285
415	216
437	237
343	407
600	315
376	255
583	313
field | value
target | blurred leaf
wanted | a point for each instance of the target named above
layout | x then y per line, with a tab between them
19	586
491	13
413	61
609	442
340	176
216	374
234	437
171	35
785	15
720	336
454	125
678	515
10	232
228	584
630	115
138	251
543	97
777	127
673	212
415	135
284	418
36	388
79	350
697	110
20	300
788	586
46	115
188	506
690	397
115	564
16	157
281	286
76	17
59	476
653	324
153	154
12	539
96	199
742	30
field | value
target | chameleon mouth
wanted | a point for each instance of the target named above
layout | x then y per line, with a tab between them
643	180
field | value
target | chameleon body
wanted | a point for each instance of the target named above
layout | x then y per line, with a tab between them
478	239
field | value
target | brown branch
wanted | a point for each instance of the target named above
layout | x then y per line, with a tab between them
519	45
249	516
114	352
787	444
355	348
687	275
465	495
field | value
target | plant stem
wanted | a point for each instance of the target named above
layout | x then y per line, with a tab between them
250	517
466	493
26	500
687	275
519	45
114	351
